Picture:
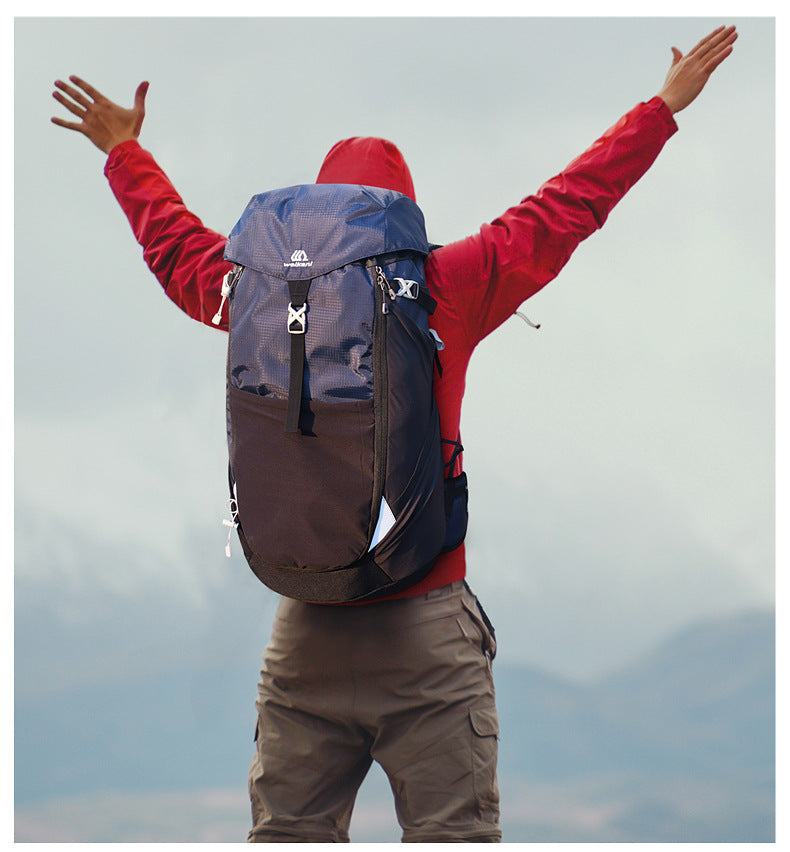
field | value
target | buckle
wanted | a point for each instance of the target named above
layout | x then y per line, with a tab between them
408	289
297	321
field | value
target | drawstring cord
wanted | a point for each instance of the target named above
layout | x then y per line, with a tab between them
527	320
232	522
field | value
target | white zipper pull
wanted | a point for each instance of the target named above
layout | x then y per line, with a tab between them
232	523
227	286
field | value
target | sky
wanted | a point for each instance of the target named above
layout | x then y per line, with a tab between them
620	459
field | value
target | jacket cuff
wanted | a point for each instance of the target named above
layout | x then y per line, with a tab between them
118	153
663	111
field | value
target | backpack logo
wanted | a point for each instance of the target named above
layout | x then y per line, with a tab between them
299	258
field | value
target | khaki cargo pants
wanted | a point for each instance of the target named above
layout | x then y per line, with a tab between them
406	683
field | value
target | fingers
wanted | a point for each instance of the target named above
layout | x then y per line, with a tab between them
719	40
71	107
703	43
69	125
79	105
721	50
718	48
714	61
87	88
72	93
710	52
139	96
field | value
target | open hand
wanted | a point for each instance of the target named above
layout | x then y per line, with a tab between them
688	74
105	123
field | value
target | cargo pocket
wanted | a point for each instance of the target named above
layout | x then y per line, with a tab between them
485	735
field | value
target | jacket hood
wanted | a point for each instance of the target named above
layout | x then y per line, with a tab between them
369	161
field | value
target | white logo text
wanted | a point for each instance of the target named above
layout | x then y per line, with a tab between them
299	258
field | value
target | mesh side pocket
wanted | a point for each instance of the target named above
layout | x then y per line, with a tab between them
456	499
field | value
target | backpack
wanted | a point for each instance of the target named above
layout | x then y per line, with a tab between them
336	474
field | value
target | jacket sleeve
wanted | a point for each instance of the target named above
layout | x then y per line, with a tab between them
185	256
487	276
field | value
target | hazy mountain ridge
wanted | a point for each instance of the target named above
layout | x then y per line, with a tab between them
678	745
702	702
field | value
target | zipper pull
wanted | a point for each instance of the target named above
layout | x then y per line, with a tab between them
384	284
232	523
227	286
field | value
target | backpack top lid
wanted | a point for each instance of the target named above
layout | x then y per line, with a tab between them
308	230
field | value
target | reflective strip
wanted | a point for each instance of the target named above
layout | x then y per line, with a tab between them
385	523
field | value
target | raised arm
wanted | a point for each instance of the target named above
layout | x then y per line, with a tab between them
184	255
487	276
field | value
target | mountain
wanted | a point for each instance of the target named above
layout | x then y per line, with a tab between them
679	745
702	702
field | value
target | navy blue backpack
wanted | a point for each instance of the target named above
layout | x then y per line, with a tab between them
336	475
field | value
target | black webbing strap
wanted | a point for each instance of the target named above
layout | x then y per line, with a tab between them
297	324
425	300
413	290
457	450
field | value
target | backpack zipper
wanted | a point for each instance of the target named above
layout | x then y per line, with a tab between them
381	310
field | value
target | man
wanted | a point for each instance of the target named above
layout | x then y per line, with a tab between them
406	681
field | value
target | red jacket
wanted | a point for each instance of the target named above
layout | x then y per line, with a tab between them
478	282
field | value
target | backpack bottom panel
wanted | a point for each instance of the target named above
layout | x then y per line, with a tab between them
304	500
